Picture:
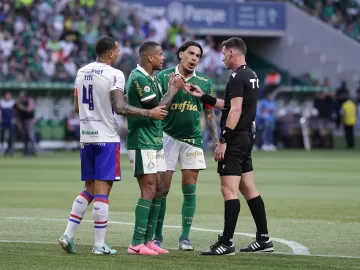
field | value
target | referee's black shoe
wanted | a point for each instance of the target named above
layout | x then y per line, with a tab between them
220	249
259	246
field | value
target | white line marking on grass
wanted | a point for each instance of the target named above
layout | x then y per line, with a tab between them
296	248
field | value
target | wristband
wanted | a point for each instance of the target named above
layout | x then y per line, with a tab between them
226	135
208	99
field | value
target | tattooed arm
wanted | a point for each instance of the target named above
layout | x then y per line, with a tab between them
175	83
121	107
168	97
212	124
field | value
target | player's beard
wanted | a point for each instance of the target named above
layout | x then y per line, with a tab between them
187	71
158	67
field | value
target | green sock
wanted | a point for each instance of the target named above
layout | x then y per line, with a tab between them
153	218
141	220
188	210
160	222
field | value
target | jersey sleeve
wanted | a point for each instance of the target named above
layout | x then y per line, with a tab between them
143	89
236	86
210	91
118	81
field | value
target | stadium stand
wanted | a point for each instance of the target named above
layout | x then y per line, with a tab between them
44	42
343	15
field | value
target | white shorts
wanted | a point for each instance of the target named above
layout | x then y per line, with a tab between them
147	161
190	157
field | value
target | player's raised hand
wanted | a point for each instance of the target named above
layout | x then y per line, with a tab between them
158	113
178	82
172	75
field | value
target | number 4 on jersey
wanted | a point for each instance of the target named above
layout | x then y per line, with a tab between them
87	97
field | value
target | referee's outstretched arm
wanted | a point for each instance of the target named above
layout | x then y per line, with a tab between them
206	98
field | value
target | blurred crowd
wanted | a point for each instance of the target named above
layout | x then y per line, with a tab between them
48	40
329	112
341	14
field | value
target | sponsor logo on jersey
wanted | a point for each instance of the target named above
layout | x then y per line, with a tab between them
89	71
89	119
185	106
90	132
194	154
147	89
201	78
138	89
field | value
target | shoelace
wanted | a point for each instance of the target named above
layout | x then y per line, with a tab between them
215	246
186	242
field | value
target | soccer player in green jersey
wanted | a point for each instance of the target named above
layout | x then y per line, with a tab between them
183	140
145	144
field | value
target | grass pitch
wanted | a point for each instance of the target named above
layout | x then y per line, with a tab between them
312	202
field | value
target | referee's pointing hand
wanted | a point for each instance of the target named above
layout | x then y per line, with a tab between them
193	90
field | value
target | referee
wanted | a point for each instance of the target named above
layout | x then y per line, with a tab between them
233	153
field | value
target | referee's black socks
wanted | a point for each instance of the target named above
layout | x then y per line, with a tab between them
232	210
257	209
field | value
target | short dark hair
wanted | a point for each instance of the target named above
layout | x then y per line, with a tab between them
105	44
235	43
146	46
186	45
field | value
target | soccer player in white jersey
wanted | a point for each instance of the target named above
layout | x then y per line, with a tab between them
98	95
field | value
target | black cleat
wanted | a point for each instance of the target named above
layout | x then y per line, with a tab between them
259	246
220	249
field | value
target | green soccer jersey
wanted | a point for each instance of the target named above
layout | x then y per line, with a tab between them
144	133
183	120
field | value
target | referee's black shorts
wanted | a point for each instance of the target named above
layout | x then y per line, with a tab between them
237	158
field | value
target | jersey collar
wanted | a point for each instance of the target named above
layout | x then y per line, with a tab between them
177	72
139	68
241	67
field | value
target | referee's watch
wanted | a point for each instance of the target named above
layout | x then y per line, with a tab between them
222	140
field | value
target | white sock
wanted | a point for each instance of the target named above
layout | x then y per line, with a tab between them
100	215
77	212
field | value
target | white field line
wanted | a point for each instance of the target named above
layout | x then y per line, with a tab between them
297	249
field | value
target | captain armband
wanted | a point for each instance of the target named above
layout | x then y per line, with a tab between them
206	98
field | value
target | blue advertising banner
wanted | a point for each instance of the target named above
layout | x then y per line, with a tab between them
217	16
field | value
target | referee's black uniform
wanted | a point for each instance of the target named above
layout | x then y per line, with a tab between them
237	159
